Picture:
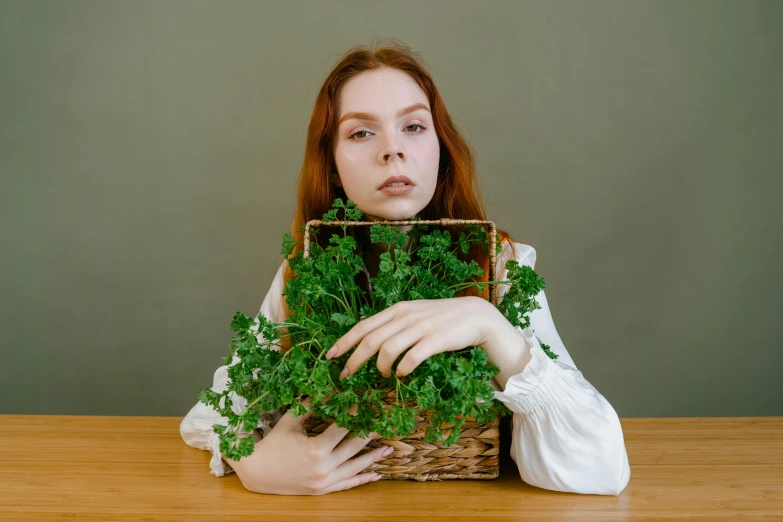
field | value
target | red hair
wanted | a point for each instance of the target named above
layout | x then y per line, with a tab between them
457	193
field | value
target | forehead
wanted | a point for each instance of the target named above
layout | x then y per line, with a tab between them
381	91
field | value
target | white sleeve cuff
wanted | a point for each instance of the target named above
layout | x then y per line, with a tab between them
217	465
534	386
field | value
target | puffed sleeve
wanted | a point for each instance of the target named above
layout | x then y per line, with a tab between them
196	427
566	436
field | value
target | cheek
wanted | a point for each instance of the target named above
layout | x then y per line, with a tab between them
430	159
351	164
353	157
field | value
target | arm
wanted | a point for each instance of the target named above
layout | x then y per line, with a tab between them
566	435
196	427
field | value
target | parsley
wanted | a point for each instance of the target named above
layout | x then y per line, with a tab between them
325	302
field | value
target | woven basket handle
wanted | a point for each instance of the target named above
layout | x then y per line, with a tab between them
444	221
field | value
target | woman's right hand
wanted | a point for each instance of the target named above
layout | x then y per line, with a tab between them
289	462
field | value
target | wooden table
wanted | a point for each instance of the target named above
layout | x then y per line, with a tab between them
138	468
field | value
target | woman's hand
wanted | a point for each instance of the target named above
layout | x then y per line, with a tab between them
426	326
289	462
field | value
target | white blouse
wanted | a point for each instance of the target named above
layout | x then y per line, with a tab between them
566	436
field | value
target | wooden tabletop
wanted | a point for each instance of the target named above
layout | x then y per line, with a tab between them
139	468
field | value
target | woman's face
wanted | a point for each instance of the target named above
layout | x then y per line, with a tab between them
375	141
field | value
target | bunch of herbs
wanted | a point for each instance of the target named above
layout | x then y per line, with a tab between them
325	302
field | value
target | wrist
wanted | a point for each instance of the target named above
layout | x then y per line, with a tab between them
507	349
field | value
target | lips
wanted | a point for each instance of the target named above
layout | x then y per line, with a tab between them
396	179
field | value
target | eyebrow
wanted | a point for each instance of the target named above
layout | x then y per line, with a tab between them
374	117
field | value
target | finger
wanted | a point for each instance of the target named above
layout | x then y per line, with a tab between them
359	464
393	347
359	330
289	422
423	350
334	434
371	345
352	482
349	447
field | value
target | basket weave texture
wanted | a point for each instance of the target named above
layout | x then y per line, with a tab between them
474	455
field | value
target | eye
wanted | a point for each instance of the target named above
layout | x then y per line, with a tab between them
355	134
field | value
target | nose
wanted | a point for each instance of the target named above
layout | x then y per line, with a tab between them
390	150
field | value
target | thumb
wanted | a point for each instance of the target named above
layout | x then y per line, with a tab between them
291	423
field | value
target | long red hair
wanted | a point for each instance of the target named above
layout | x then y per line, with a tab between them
457	193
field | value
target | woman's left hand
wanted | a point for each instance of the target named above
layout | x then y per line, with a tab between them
426	326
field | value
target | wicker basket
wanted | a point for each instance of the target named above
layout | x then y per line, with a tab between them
474	455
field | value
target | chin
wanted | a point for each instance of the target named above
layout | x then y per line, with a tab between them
396	211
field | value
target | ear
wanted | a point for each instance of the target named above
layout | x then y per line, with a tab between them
336	179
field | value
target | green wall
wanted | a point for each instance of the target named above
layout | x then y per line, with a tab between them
149	152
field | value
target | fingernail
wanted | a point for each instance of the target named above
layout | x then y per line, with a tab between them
331	352
344	373
375	477
387	451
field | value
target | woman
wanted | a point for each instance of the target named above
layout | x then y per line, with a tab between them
378	121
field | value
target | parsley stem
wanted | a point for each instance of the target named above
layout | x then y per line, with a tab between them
410	280
399	380
460	286
345	305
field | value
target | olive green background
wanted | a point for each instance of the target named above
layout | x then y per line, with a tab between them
149	152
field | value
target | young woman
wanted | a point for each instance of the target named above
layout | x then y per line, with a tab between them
378	121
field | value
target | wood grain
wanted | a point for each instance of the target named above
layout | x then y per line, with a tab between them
138	468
